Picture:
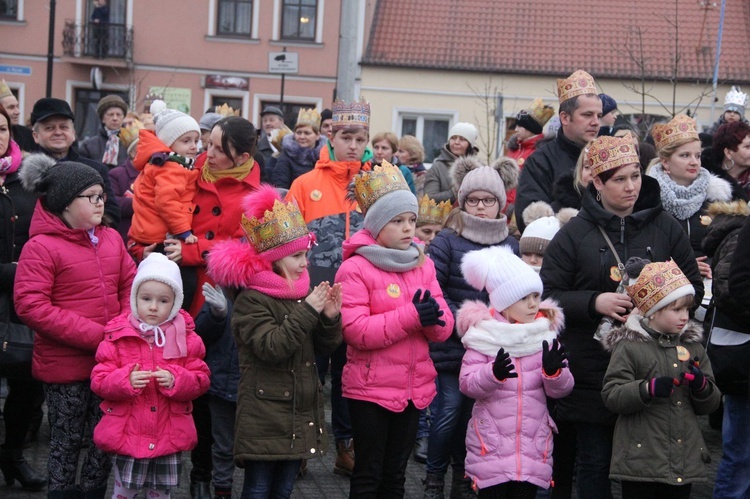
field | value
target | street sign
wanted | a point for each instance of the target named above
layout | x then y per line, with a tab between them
16	70
283	62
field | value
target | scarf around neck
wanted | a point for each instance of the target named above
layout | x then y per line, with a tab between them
11	161
679	201
171	335
392	260
272	284
483	230
238	172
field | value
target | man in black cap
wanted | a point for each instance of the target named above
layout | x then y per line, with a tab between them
270	119
54	133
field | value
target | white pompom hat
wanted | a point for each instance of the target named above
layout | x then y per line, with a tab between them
157	267
170	124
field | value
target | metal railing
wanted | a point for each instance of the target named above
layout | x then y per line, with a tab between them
111	41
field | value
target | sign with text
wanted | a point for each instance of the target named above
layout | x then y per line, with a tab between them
283	62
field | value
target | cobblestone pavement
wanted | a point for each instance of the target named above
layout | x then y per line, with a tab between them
320	482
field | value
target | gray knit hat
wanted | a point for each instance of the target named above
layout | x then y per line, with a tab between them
388	206
170	124
110	101
57	184
469	175
208	121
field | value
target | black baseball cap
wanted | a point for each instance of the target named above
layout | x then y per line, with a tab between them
49	106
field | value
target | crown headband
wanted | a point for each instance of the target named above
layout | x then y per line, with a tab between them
540	112
351	115
680	130
579	83
370	186
656	281
431	212
308	117
608	153
281	225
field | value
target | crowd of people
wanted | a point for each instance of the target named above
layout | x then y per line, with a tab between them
534	324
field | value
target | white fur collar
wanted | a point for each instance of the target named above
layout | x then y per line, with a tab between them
718	189
519	340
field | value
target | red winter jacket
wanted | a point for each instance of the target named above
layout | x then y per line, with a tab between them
388	358
66	290
151	421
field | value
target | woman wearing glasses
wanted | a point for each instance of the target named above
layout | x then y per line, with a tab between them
73	276
477	223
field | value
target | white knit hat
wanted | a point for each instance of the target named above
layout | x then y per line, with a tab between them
465	130
506	277
538	234
170	124
157	267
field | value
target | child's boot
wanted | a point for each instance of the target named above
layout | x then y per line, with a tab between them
434	486
461	487
344	464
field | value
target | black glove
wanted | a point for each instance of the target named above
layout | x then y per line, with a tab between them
694	377
428	309
662	387
553	359
503	367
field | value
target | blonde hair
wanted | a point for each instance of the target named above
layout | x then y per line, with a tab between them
578	172
413	146
666	151
390	137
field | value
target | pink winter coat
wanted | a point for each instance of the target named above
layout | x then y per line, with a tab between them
509	437
387	359
152	421
66	290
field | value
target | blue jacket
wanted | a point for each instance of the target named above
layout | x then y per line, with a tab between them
447	250
221	352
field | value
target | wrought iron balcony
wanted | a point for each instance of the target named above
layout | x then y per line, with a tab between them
111	41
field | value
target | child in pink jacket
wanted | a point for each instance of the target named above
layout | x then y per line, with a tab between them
392	306
149	370
510	368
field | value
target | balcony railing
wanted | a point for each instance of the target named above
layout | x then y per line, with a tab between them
111	41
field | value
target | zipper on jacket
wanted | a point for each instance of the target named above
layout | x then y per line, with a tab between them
519	416
622	231
481	440
650	253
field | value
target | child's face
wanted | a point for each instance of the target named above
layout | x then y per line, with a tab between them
348	145
399	232
670	320
292	266
533	259
427	232
186	144
305	136
154	301
81	213
524	310
481	210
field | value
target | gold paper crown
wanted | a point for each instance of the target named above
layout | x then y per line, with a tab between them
607	153
351	115
371	186
309	117
656	282
579	83
281	225
540	112
680	130
4	90
277	136
130	133
225	110
431	212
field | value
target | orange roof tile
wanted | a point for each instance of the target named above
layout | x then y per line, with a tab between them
556	37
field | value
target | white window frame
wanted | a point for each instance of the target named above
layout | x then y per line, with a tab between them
210	93
276	33
213	12
19	13
317	103
401	113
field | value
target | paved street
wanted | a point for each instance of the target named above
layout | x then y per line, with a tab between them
320	481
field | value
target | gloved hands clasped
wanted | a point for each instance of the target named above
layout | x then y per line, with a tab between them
428	309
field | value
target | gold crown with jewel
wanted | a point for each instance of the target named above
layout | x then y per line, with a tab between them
4	90
680	130
579	83
351	114
283	224
309	117
657	281
371	186
540	112
431	212
607	153
226	110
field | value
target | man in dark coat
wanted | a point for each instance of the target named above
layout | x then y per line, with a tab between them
580	111
105	147
54	133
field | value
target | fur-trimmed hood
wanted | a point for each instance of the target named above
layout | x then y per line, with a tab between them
718	189
725	218
506	167
482	332
633	330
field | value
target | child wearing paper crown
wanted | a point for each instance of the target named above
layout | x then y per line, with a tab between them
392	307
658	380
149	369
164	191
513	362
279	326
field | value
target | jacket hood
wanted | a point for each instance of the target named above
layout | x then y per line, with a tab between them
120	326
718	189
725	218
342	171
356	241
299	154
632	330
148	145
647	206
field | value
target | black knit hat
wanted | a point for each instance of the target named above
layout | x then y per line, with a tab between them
57	184
525	120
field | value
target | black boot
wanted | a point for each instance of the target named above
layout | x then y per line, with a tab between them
461	487
15	467
433	486
94	493
200	490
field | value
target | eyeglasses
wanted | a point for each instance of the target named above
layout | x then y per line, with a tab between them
486	202
95	198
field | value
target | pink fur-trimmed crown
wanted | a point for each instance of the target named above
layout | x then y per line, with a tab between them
472	313
232	263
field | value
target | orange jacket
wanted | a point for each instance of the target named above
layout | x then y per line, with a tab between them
163	195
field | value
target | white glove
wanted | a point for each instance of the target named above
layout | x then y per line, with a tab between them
216	299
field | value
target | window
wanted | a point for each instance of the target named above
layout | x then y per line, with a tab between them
431	130
298	19
9	9
235	103
290	110
87	121
235	18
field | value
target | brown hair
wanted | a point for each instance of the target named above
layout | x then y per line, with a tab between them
7	117
413	146
390	137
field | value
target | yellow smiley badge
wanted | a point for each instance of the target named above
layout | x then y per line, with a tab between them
682	353
393	290
615	274
316	195
520	161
